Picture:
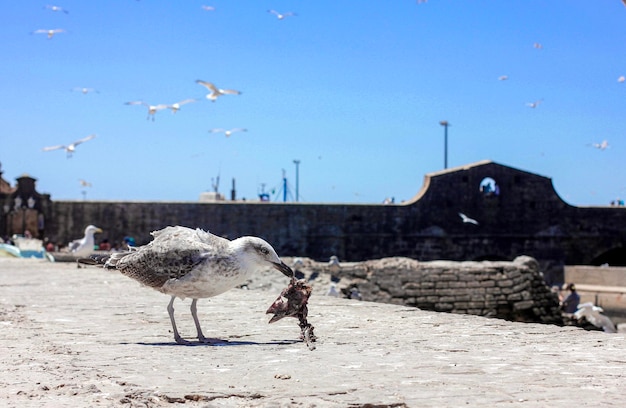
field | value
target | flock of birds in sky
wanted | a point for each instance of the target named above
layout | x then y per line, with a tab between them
214	92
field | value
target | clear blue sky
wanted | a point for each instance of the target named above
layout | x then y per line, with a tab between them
355	90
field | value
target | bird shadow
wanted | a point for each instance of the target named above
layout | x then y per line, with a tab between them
221	343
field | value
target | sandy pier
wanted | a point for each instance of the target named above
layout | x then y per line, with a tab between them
93	338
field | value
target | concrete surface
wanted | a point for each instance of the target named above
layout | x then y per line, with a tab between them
93	338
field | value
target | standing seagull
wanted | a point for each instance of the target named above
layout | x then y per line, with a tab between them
84	246
152	109
215	91
227	132
50	33
70	148
187	263
467	219
281	16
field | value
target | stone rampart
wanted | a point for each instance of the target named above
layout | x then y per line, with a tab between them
513	291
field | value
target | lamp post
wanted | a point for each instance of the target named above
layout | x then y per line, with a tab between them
297	163
445	125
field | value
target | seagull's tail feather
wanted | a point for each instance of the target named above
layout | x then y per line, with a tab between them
108	261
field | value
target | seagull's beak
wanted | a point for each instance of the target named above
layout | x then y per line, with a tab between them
98	230
281	266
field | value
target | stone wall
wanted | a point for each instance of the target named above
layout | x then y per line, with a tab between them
513	291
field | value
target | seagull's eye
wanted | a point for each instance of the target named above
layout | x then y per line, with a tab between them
264	250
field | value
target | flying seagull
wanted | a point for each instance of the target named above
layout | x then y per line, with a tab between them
467	219
215	91
281	16
84	246
84	183
84	90
50	33
191	263
175	107
152	109
603	145
227	132
621	78
534	104
56	8
503	78
70	148
208	8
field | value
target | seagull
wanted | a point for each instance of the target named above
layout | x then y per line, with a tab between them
215	91
84	183
208	8
467	219
191	263
152	109
621	78
503	78
70	148
50	33
593	315
602	145
537	46
333	264
84	90
227	132
84	246
56	8
281	16
534	104
175	107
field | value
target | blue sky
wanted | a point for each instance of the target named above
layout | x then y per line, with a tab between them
355	90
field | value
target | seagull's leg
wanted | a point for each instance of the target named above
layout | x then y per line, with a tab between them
194	314
201	338
170	310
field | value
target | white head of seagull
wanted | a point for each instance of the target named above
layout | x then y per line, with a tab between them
175	107
84	246
187	263
70	148
215	91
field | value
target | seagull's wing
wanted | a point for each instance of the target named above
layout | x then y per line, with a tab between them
84	139
186	101
49	148
217	130
158	107
209	85
40	31
136	103
274	12
230	92
463	216
238	130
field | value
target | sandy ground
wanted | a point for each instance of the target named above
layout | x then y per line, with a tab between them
93	338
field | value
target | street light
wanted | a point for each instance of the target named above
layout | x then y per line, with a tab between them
297	163
445	124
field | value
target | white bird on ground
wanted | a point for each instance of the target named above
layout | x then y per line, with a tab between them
84	90
603	145
534	104
215	91
227	132
187	263
175	107
467	219
70	148
333	264
593	315
152	109
50	33
281	16
85	246
56	8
